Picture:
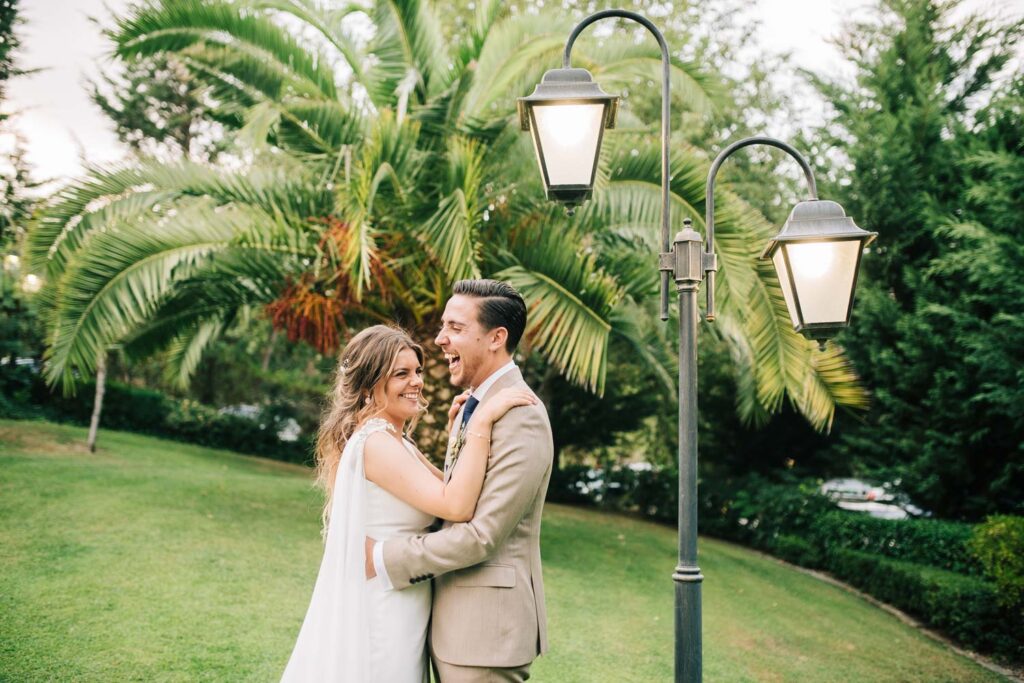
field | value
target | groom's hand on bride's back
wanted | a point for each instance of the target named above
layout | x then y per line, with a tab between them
371	572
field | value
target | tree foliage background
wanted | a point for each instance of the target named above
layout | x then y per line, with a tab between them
924	145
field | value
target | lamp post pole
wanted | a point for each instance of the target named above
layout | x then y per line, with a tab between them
686	263
817	238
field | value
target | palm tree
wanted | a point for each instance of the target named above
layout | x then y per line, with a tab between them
381	165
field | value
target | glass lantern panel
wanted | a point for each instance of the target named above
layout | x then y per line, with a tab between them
787	288
567	136
823	273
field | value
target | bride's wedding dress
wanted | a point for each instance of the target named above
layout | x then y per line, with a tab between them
354	630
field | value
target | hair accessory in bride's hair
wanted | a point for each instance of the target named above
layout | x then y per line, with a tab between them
344	364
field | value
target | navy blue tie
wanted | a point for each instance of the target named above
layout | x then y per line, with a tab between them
467	412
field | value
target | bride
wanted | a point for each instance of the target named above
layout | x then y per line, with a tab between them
379	485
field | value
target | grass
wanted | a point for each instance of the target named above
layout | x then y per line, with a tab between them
158	561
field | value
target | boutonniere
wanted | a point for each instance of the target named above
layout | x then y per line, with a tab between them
460	440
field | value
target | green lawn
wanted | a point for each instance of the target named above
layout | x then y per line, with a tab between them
153	561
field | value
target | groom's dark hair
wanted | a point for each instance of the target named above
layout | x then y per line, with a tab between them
500	306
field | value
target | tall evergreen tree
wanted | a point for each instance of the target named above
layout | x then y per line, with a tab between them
160	109
19	332
937	331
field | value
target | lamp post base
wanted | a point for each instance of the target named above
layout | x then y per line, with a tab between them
689	648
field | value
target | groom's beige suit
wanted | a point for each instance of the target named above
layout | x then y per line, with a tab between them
488	591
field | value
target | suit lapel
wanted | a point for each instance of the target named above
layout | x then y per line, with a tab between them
448	454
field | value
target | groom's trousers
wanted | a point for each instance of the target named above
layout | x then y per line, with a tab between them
450	673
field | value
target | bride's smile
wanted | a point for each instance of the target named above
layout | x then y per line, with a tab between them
401	394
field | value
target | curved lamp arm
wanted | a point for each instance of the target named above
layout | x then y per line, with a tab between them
709	202
665	77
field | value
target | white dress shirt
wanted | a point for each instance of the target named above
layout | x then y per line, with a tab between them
478	393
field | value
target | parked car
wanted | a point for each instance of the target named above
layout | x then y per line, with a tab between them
882	501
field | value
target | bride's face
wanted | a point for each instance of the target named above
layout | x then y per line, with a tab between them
400	392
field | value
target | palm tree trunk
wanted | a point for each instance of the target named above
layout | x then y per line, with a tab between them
97	405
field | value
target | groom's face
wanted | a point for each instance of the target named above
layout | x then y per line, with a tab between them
464	341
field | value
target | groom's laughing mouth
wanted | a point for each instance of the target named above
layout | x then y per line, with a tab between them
454	362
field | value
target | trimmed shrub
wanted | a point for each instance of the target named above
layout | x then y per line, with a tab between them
797	550
929	542
655	493
965	607
16	391
998	544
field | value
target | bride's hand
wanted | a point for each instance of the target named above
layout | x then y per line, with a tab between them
457	402
503	401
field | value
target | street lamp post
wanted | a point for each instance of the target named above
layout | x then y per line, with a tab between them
816	255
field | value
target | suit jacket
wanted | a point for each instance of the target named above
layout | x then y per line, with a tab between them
488	591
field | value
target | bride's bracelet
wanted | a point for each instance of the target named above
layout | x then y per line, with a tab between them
478	435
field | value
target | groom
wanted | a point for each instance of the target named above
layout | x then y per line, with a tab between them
488	621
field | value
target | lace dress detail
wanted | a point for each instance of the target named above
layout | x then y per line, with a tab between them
355	630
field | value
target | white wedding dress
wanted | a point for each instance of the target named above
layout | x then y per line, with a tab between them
354	630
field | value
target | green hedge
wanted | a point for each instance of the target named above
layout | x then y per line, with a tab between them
23	395
930	542
965	607
798	551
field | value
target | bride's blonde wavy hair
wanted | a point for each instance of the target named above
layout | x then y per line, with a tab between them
366	362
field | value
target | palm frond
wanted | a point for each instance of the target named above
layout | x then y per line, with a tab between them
517	52
748	404
61	227
570	300
449	234
330	125
326	20
247	72
419	31
833	382
647	338
236	277
487	13
174	25
115	284
408	44
186	349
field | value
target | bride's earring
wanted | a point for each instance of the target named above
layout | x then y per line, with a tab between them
367	400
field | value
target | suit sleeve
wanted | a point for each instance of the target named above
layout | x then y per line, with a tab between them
521	455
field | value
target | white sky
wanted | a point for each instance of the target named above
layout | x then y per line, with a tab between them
60	125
